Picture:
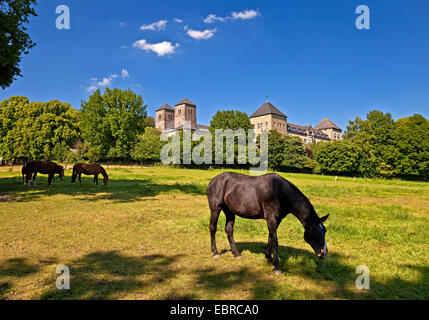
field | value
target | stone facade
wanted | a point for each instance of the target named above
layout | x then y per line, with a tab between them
268	117
169	120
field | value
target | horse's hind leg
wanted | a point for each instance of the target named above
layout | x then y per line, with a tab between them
34	179
80	177
229	229
213	228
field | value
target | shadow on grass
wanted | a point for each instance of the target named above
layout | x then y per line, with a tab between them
18	267
217	282
101	275
117	190
342	277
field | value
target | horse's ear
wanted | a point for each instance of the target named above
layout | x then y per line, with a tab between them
324	218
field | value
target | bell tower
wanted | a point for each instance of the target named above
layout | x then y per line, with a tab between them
164	118
185	110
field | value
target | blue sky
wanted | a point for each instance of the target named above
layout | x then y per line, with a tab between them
307	56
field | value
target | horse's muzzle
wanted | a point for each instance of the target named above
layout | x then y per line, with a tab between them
322	254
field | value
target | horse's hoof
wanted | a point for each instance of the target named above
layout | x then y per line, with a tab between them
216	256
277	272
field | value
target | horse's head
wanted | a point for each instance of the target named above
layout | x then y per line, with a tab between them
105	179
315	236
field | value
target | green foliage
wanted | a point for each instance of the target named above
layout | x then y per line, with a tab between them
233	120
14	39
338	157
111	123
37	130
285	152
148	147
412	144
389	148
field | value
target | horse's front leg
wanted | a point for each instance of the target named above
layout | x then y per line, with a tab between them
213	228
51	176
80	177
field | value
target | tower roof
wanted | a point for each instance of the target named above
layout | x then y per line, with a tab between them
327	124
187	102
165	106
266	109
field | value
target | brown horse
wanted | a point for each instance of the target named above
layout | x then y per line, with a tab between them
89	169
32	168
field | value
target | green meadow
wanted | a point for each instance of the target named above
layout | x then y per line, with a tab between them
145	236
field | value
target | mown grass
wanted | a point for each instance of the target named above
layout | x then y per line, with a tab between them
145	236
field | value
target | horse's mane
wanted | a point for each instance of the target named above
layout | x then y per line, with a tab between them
311	212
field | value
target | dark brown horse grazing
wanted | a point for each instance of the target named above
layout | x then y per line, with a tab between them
32	168
89	169
268	197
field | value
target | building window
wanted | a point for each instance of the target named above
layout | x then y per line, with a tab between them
267	124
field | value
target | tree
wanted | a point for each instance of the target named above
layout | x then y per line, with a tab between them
374	138
14	39
148	147
411	137
231	120
111	123
337	157
285	153
37	130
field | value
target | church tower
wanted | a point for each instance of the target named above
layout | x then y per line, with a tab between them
185	110
164	118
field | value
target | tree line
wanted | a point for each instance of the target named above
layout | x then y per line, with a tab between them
113	126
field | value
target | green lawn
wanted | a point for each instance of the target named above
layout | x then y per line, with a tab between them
145	236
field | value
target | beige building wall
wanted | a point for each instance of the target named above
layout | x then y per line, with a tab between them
269	122
333	134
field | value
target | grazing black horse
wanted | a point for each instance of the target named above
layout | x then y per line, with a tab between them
268	197
32	168
89	169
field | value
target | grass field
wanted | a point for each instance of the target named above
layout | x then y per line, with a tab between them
145	236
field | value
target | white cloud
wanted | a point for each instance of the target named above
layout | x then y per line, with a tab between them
106	81
205	34
125	74
156	26
212	18
241	15
122	24
178	20
245	15
160	48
